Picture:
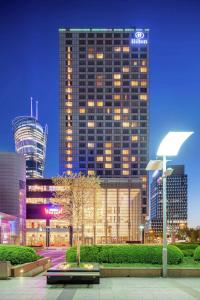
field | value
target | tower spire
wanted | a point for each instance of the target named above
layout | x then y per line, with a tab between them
36	114
31	106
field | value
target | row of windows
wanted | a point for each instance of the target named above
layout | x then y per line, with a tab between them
117	42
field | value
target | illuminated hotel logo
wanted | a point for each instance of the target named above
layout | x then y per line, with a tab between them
53	210
139	39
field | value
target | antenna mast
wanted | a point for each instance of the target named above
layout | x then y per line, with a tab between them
36	110
31	106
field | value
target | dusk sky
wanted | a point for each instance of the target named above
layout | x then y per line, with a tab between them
29	66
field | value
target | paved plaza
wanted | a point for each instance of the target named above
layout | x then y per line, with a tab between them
35	288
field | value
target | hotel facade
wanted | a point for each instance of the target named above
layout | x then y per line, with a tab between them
104	119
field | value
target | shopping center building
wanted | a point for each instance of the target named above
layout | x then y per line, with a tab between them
114	215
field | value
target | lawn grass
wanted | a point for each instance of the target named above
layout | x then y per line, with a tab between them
188	263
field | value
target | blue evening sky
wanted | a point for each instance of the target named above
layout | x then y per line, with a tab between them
29	67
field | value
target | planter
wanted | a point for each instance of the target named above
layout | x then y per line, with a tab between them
130	272
64	273
32	268
5	268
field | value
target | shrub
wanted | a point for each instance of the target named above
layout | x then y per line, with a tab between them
186	246
197	254
125	254
17	254
188	252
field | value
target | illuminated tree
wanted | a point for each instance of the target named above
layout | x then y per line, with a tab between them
76	194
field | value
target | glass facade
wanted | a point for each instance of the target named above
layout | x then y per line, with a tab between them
30	140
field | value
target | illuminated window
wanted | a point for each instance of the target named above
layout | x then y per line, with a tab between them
117	83
108	110
69	166
125	69
100	103
134	83
125	172
125	124
143	97
108	166
143	83
143	63
69	158
125	158
90	55
125	151
90	124
90	50
134	138
100	55
82	110
117	49
135	63
108	145
99	158
69	145
117	117
133	158
108	151
69	77
125	166
134	124
116	97
90	145
69	172
69	138
68	111
125	110
69	97
143	69
117	110
144	179
108	158
126	49
69	90
117	76
90	172
69	70
68	151
90	103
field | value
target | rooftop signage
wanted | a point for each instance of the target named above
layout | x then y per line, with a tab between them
139	38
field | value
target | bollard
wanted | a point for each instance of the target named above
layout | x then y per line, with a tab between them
5	269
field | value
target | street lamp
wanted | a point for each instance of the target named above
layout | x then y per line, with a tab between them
169	146
142	233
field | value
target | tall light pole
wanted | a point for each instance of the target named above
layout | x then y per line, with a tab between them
169	146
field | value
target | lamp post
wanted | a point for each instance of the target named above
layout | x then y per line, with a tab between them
142	233
169	146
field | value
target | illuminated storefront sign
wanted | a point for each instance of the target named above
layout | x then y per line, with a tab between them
53	210
139	39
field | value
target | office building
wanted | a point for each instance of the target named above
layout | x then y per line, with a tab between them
13	197
30	140
177	199
104	110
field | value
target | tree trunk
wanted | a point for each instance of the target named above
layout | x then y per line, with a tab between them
78	253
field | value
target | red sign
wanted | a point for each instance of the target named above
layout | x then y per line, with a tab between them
53	210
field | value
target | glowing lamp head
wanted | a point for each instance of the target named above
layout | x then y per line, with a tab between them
172	143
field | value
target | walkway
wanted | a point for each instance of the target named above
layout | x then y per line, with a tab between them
25	288
57	255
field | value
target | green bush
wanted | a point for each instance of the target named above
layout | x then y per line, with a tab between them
125	254
188	252
197	254
186	246
17	254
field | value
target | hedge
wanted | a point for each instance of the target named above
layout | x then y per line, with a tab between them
197	254
17	254
188	252
186	246
125	254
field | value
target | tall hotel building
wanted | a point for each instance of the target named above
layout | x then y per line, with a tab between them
30	140
176	202
104	125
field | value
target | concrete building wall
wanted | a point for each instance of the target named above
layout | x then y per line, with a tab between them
13	190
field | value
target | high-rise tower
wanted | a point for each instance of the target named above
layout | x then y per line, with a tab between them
104	111
30	140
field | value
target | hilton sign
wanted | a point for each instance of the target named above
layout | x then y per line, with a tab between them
139	39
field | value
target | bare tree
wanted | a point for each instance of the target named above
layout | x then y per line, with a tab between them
76	193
